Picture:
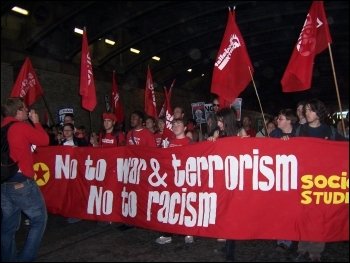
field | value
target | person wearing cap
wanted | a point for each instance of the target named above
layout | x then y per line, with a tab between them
110	135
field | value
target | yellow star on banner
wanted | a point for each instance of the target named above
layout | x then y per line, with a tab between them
42	173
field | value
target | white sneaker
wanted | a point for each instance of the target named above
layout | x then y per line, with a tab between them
163	240
188	239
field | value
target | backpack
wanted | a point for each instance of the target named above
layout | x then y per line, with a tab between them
8	167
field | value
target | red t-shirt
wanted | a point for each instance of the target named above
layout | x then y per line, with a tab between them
179	142
142	137
110	139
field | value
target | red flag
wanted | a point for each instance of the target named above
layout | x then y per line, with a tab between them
169	116
150	99
231	70
87	84
167	93
27	85
116	105
313	39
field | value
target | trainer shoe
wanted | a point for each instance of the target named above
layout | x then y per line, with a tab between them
188	239
163	240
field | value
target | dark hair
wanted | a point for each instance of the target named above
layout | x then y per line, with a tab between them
139	114
228	117
318	107
290	115
70	125
11	106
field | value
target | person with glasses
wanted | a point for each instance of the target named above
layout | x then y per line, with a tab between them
20	193
68	136
286	121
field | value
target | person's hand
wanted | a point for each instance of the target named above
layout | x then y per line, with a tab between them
211	138
93	139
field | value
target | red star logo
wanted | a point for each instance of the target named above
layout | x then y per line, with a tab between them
40	174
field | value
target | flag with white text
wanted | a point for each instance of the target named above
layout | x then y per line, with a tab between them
313	39
150	99
87	84
231	70
27	85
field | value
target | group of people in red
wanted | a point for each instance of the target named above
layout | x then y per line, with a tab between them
308	120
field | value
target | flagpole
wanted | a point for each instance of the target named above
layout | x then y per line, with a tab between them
48	110
336	87
256	91
90	122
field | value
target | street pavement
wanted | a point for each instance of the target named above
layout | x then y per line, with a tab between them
91	241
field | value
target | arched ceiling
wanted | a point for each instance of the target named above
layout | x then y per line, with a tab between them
184	35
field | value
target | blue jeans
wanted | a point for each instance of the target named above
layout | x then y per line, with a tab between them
20	197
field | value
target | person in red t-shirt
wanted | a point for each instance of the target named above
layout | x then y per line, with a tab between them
179	129
163	134
110	136
139	135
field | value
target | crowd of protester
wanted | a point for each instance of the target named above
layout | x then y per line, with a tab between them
309	119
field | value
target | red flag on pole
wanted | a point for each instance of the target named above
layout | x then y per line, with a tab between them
27	85
150	99
116	105
231	70
313	39
87	84
167	93
169	116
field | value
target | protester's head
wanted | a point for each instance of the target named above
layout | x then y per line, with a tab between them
286	119
68	130
226	120
109	120
68	118
216	105
15	107
178	112
300	112
80	132
315	110
179	127
151	123
136	119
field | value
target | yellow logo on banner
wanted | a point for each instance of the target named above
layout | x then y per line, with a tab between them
42	173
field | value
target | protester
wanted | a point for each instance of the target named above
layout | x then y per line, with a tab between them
179	129
111	134
226	120
315	113
20	193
